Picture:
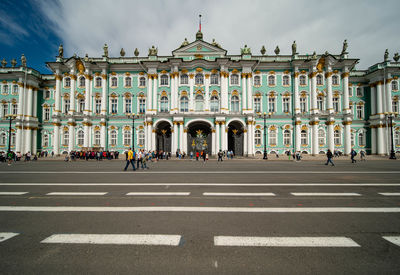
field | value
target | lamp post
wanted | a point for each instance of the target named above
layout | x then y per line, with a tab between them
392	153
10	118
265	134
133	129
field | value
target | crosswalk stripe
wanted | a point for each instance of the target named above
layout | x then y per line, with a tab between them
198	184
123	239
200	209
204	172
7	235
76	193
389	194
13	193
158	194
285	241
237	194
393	239
325	194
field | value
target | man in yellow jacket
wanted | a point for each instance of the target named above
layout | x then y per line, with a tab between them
130	159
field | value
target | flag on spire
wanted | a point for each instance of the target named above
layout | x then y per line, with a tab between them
199	22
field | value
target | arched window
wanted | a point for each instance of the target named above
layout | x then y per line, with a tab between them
128	81
285	80
303	104
184	104
271	80
128	105
271	103
320	103
321	137
80	137
234	79
127	138
257	137
81	105
397	138
234	104
184	79
47	94
336	105
214	80
82	81
113	137
286	104
15	109
114	105
257	104
304	137
142	81
320	80
257	80
335	80
98	82
5	109
46	113
337	137
199	103
164	104
359	91
15	89
65	138
45	140
395	85
66	106
142	105
302	80
141	138
5	89
67	82
3	139
272	137
395	106
114	82
199	79
97	137
361	139
214	104
164	80
286	138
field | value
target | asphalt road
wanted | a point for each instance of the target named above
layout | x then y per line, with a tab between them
187	217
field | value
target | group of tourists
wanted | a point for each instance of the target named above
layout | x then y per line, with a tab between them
141	157
86	155
11	156
353	154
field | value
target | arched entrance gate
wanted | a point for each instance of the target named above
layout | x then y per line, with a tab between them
199	137
163	136
235	138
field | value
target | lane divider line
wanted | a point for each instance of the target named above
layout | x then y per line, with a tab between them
200	184
7	235
325	194
238	194
393	239
389	194
76	193
12	193
202	172
285	241
120	239
158	194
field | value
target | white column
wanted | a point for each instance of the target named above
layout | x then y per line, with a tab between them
329	103
104	103
103	135
379	103
224	92
314	139
313	92
223	136
249	93
249	137
87	95
72	110
244	93
90	136
218	136
345	78
176	92
373	100
172	77
30	102
380	140
57	103
207	88
296	94
184	142
86	134
298	136
34	141
347	137
174	138
149	93
373	140
191	103
28	140
56	139
71	142
181	136
331	144
155	96
35	102
153	139
389	97
213	141
245	141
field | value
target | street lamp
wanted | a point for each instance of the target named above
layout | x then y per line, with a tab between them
133	116
392	153
264	116
10	118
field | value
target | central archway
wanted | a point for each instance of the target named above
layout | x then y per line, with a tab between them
235	138
163	138
199	137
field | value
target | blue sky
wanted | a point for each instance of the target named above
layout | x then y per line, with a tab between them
37	27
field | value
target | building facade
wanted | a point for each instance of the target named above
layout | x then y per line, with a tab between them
200	98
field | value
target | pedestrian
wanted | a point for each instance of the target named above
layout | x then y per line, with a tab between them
191	155
220	155
362	155
204	156
329	155
353	153
197	155
139	159
130	160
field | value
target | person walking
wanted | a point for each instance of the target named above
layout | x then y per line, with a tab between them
329	155
130	160
197	155
353	153
220	155
362	155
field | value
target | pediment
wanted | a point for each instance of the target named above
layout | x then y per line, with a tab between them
199	47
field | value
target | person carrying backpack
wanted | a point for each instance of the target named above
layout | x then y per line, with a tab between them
353	153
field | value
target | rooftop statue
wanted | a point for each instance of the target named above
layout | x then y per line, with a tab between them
314	55
245	50
23	60
86	58
214	43
3	63
122	52
185	42
136	52
263	50
13	62
61	51
395	57
345	45
386	56
105	49
294	48
153	51
277	50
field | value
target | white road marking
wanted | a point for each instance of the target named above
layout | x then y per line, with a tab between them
202	172
76	193
198	184
7	235
136	239
13	193
158	194
285	241
237	194
325	194
393	239
389	194
200	209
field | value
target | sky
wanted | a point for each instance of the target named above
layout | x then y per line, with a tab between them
37	27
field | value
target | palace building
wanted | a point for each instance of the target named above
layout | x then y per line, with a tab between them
201	98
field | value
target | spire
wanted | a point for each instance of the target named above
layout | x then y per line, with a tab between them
199	34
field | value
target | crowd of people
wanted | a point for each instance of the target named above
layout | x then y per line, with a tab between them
86	155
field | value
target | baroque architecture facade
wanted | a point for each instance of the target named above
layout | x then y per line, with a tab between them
200	98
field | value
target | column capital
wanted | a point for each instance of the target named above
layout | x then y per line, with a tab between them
328	74
345	74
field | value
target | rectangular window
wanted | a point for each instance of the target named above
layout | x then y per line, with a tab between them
351	109
15	109
66	106
359	91
350	91
360	112
272	138
257	104
286	104
128	105
303	104
303	137
114	106
142	105
335	102
5	110
98	106
395	106
213	79
271	104
46	113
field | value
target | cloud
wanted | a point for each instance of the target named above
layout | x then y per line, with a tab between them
84	26
10	30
